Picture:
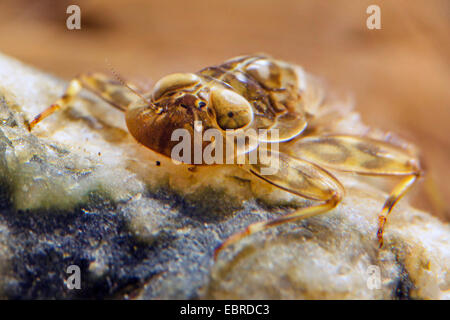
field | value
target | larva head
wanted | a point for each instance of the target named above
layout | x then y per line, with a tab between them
177	102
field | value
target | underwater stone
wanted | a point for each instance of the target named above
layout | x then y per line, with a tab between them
79	190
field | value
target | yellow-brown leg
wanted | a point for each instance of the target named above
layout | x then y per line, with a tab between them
114	92
396	194
296	215
72	90
366	157
299	177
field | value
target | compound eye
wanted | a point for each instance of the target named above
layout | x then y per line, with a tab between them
173	82
232	110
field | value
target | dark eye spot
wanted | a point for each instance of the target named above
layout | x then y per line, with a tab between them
184	106
201	104
158	163
230	114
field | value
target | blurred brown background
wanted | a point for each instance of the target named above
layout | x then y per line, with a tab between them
399	75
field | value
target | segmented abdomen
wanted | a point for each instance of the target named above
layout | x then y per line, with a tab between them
272	88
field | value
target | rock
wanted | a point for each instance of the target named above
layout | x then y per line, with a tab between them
79	190
331	257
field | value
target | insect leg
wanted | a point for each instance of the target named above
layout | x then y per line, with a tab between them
396	194
298	177
363	156
72	90
263	225
110	90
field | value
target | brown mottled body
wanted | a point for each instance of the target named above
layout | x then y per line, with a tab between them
256	92
271	87
219	97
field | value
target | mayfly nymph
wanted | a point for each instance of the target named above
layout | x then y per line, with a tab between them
256	92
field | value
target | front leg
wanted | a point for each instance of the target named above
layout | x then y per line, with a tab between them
71	92
114	92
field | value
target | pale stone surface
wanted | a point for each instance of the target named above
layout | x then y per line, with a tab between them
329	257
79	190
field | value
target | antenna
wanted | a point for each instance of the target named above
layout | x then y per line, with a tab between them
123	82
